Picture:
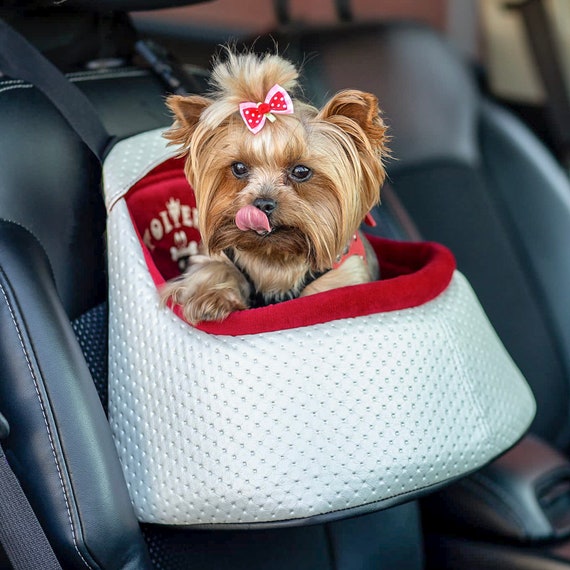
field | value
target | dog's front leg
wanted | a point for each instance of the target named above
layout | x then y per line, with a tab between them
210	290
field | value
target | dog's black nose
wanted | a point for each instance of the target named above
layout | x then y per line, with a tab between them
266	205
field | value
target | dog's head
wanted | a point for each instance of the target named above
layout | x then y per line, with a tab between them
299	185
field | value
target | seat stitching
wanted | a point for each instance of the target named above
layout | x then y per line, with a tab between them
10	81
16	86
18	332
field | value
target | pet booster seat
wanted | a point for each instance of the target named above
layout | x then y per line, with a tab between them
312	409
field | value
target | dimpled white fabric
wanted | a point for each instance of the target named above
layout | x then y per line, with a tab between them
284	426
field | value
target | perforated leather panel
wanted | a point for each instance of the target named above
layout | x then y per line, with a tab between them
91	332
274	427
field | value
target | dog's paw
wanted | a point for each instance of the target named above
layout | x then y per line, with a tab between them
208	292
212	305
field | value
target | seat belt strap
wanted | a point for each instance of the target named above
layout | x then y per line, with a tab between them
21	534
542	42
19	59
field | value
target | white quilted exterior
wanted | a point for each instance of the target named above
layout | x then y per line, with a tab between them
288	425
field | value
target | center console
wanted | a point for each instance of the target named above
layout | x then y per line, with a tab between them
513	514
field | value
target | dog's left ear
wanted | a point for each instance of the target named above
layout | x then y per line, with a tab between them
187	111
361	108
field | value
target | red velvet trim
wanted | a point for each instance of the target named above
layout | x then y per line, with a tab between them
412	274
163	209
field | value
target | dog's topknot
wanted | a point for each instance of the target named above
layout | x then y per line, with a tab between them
248	76
236	78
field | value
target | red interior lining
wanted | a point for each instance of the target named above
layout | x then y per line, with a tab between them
162	207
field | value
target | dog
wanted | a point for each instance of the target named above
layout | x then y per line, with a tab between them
281	188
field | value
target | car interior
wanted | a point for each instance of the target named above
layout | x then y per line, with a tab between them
468	171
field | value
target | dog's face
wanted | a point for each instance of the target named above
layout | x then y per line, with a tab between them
298	189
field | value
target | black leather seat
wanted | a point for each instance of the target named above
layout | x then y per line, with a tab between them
53	344
53	271
469	173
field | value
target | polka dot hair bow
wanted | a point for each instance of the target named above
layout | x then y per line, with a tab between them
277	102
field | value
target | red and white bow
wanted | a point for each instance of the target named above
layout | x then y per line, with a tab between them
277	102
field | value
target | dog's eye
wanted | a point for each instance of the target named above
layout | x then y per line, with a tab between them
300	173
240	170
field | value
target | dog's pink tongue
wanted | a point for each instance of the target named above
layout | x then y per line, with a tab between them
252	218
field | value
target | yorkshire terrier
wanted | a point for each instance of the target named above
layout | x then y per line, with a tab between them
281	188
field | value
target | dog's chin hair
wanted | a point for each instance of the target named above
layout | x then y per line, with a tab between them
279	247
274	281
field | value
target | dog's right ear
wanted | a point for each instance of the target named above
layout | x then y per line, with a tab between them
187	112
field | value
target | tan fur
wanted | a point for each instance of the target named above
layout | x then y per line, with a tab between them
352	272
209	291
343	144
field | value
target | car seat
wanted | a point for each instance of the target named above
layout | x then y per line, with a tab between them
472	176
54	339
